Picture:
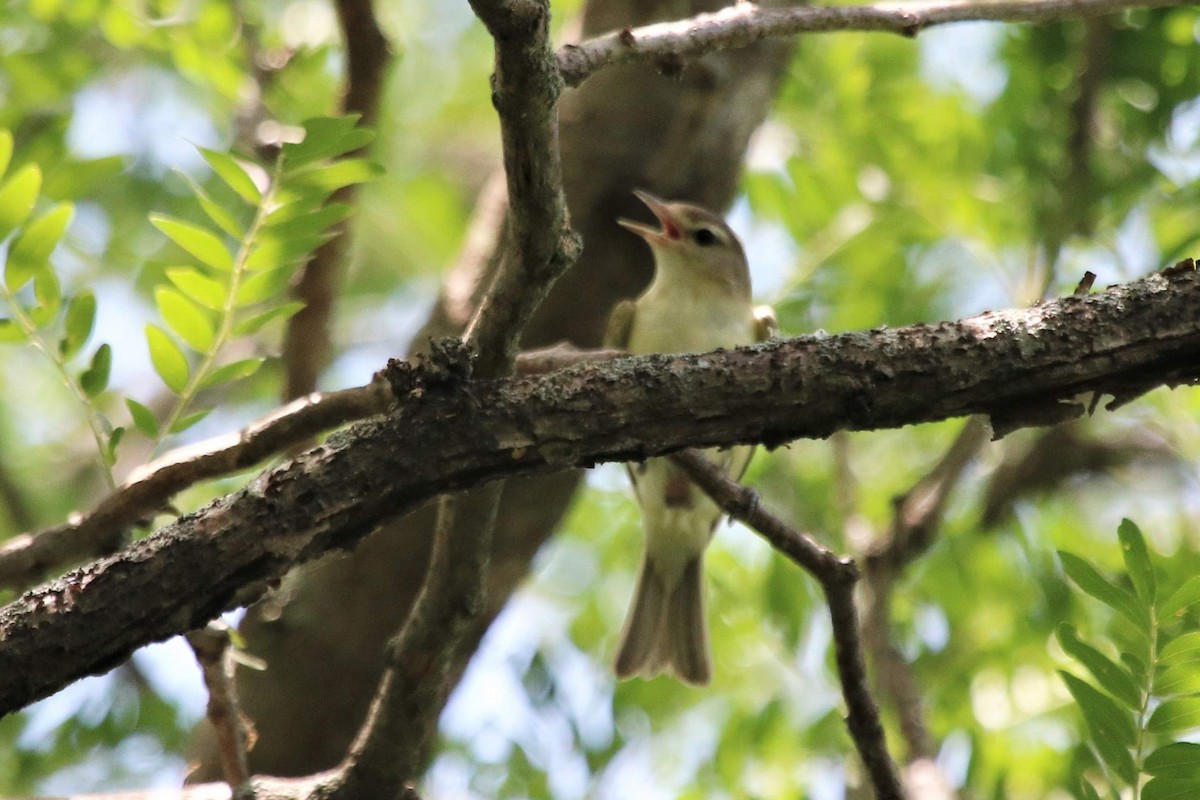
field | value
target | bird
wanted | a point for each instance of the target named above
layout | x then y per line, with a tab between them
698	300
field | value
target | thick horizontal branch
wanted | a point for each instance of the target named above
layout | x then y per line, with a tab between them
745	23
450	433
24	559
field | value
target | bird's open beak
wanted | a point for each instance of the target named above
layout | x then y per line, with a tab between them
670	225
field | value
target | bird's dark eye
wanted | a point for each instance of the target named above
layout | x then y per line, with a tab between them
704	237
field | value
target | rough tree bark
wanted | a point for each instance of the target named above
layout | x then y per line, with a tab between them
680	132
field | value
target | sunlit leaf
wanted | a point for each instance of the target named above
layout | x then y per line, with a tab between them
94	379
18	195
184	423
169	361
254	324
6	150
48	293
199	287
1178	679
80	319
185	319
1176	715
1184	649
1181	599
11	332
233	371
143	418
261	286
273	251
235	177
31	248
201	243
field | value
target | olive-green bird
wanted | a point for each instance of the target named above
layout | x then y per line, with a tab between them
698	301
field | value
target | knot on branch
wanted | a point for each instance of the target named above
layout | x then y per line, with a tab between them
449	364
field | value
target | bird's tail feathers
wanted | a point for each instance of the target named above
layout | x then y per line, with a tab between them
664	630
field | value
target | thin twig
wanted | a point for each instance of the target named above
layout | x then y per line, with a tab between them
233	731
744	23
837	577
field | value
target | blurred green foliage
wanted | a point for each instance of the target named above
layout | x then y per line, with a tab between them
896	181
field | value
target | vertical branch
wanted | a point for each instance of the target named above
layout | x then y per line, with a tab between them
306	344
233	732
395	743
540	244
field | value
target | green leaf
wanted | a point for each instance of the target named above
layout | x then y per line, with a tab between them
169	361
285	224
198	286
235	177
233	371
183	424
1099	587
1137	561
1107	673
94	379
18	195
1177	679
48	293
1170	789
1177	760
143	418
11	332
336	175
258	322
31	249
1173	716
114	439
6	149
1112	729
224	219
182	316
80	319
262	286
1185	648
201	243
272	251
1087	790
325	137
1181	599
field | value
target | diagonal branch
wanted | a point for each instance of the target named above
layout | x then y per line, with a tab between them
837	577
1022	366
744	23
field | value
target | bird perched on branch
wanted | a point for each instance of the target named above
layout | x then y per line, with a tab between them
698	301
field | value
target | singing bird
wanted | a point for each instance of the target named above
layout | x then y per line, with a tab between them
699	300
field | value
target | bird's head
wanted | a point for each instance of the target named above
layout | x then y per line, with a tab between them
694	240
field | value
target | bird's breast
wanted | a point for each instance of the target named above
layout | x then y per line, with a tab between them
689	322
